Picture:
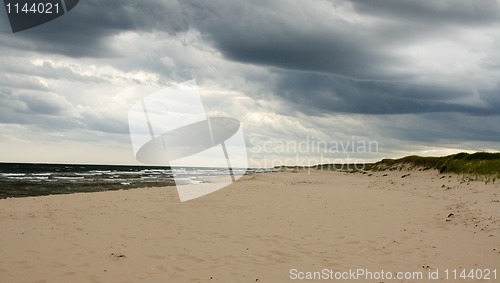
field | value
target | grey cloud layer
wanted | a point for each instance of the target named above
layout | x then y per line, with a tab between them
320	58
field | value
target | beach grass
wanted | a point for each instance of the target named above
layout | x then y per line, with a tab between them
475	164
480	163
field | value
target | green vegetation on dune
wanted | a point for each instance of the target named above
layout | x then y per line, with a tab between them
480	163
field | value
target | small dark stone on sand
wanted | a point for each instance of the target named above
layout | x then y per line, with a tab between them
118	255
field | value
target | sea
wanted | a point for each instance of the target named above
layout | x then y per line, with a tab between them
35	179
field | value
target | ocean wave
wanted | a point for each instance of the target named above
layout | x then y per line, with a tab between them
12	174
68	177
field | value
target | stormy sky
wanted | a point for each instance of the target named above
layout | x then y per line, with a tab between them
416	77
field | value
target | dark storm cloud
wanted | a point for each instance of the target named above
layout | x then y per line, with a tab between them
295	36
285	36
413	21
328	93
459	12
83	31
356	66
437	128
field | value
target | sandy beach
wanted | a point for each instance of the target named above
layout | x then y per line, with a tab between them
263	228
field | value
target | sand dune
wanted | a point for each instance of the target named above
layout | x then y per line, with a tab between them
257	229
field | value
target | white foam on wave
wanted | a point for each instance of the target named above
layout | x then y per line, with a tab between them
12	174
